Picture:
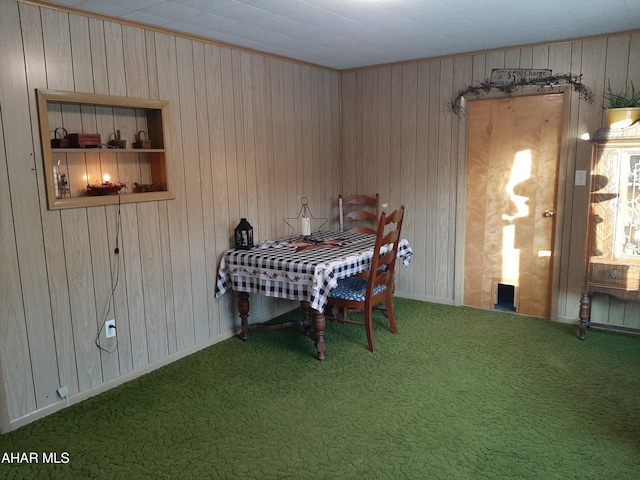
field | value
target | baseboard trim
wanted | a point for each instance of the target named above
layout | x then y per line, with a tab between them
569	320
614	328
92	392
103	387
423	298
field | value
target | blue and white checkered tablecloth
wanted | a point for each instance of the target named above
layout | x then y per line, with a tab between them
276	269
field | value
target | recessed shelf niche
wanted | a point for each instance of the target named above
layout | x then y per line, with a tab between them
74	177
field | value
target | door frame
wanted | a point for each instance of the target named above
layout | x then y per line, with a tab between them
461	196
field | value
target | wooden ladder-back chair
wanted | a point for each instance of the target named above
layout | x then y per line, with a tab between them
359	208
358	292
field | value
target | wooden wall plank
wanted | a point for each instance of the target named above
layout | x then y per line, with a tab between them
155	318
422	230
540	56
230	142
80	283
368	163
210	260
247	113
18	395
262	144
103	286
312	170
163	210
462	70
218	182
349	102
291	199
27	213
278	162
169	89
432	159
336	139
272	122
445	236
395	186
192	189
328	148
407	173
384	149
132	279
514	58
114	50
53	243
297	192
119	287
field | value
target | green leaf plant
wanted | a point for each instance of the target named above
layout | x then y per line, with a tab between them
624	99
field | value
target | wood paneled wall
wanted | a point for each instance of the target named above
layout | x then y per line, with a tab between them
250	135
400	139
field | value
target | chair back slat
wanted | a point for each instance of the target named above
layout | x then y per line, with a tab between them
366	213
358	215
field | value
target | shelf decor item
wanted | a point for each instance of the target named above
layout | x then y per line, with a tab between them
303	222
117	142
623	107
105	188
63	141
244	235
85	140
62	187
148	187
142	141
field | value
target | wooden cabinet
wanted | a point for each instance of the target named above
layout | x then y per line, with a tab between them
80	171
613	247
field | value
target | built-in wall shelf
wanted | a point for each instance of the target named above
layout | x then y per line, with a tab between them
81	173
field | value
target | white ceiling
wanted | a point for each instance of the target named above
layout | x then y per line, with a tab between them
352	33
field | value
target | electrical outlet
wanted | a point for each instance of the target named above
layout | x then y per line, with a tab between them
110	328
63	392
581	178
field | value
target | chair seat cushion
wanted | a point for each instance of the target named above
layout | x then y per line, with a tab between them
353	288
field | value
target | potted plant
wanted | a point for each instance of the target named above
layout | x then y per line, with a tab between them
624	107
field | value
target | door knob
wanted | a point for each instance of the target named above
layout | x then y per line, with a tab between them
548	213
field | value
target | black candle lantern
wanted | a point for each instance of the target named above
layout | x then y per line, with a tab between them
244	235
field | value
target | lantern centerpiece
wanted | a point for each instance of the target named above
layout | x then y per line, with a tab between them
244	235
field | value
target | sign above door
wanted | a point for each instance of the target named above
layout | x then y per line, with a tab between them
506	76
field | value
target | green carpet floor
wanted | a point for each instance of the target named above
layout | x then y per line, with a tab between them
459	393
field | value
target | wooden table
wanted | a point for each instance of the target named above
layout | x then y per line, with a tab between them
303	269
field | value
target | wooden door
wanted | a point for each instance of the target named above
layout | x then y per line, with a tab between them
512	166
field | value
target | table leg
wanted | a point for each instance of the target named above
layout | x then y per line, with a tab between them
243	308
314	327
319	323
306	323
585	313
306	308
